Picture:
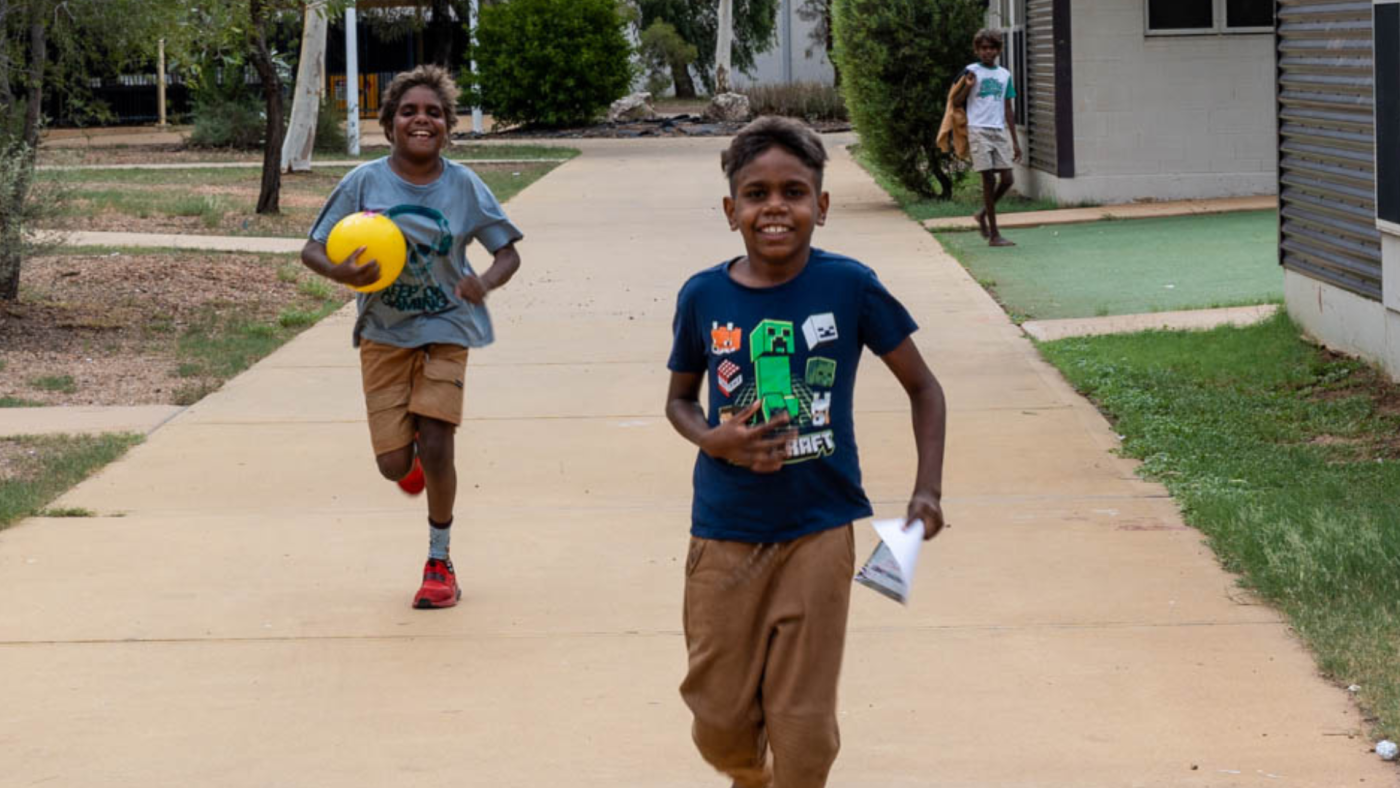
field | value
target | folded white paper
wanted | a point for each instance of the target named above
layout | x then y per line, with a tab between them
890	569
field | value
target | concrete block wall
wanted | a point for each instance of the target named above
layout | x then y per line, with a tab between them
1165	117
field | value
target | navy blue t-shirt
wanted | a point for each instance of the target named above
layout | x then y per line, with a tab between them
796	347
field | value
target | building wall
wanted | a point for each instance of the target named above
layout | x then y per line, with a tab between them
1165	117
789	54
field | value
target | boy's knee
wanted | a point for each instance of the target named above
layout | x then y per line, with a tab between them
395	465
735	749
435	443
1008	178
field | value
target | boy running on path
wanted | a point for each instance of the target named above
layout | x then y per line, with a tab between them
414	336
778	333
991	128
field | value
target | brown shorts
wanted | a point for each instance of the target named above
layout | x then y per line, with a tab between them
401	383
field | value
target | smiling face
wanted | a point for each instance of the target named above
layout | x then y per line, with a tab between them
420	125
776	204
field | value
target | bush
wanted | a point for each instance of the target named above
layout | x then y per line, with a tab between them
330	134
806	100
897	59
228	123
552	62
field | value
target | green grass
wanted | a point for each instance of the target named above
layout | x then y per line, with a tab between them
966	200
60	383
1287	458
67	511
1129	267
48	465
223	344
20	402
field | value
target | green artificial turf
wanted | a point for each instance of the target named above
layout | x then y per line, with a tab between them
1128	267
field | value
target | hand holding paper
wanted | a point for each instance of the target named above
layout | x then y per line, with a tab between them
890	570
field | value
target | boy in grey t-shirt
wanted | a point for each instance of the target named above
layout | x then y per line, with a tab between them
414	335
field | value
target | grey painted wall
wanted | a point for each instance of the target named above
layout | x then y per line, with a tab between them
1165	117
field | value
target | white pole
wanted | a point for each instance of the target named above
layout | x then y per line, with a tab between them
723	46
787	41
160	82
352	83
477	124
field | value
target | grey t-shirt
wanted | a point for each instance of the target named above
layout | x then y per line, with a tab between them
438	220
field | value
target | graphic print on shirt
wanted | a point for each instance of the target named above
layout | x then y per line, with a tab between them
990	87
805	396
416	289
725	340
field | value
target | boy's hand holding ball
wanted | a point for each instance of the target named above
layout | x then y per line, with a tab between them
355	275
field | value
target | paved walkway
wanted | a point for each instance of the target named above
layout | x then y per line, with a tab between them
1136	210
1190	319
245	620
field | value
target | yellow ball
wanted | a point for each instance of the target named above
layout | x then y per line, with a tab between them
383	242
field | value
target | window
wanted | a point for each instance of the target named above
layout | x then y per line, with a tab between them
1176	17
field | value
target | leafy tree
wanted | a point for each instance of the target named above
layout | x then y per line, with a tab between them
898	58
662	49
697	22
551	62
46	44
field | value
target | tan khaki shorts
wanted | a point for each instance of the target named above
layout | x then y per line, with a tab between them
401	383
991	148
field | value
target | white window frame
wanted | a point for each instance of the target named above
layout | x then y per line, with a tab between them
1217	28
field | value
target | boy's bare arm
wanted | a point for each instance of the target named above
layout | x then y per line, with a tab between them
1011	126
313	256
964	86
761	449
930	413
503	266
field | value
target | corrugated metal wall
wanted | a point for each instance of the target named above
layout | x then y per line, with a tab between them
1040	85
1327	149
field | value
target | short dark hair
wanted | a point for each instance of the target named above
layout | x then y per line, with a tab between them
790	134
429	76
989	35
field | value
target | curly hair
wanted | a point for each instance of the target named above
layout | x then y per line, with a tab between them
433	77
790	134
989	35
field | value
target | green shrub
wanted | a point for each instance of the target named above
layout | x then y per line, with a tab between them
897	60
228	123
806	100
330	134
551	62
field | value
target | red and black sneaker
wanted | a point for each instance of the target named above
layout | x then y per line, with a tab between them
413	483
439	587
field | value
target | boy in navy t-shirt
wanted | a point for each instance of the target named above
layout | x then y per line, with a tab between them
778	333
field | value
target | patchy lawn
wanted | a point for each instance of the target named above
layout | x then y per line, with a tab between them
182	154
222	201
139	327
36	469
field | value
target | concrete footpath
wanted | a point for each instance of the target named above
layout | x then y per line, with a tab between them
239	614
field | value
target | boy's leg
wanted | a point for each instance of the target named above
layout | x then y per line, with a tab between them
436	405
808	605
726	637
387	373
989	202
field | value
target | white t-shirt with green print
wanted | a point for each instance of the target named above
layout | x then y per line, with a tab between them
985	104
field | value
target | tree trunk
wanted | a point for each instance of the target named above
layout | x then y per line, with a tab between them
724	47
270	194
306	98
38	57
7	96
441	29
25	150
685	85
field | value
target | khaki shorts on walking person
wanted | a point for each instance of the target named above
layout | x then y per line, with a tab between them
401	383
765	628
991	148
